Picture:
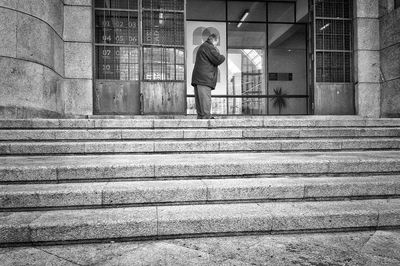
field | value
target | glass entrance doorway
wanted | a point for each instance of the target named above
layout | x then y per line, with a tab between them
265	43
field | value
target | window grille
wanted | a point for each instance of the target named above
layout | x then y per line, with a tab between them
117	43
116	40
163	39
333	26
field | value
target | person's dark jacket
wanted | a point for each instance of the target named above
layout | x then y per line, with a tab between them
205	70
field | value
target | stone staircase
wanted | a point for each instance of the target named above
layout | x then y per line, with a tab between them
89	180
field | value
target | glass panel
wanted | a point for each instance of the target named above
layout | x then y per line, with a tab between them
246	67
287	63
247	11
165	28
206	10
117	4
333	8
288	106
333	41
281	12
119	63
164	4
116	27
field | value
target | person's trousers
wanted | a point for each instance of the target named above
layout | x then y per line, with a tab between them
203	101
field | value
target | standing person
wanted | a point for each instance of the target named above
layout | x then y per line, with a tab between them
205	75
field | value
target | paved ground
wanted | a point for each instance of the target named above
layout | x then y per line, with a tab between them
359	248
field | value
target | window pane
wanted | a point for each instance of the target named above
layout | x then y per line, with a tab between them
247	11
119	4
205	9
281	12
116	27
246	68
287	57
118	63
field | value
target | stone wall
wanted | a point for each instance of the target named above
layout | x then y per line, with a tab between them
76	89
31	57
367	58
46	66
389	23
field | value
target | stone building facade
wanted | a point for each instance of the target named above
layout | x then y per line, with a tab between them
48	59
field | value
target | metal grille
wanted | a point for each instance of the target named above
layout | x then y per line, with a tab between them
117	43
163	39
333	40
116	40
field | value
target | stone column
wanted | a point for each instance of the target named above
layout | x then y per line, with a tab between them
390	58
367	58
76	89
31	57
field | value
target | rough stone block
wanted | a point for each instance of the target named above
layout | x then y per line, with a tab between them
254	189
368	99
320	215
350	186
256	145
178	146
14	227
310	144
124	123
78	2
151	134
368	66
389	28
18	174
8	40
45	48
27	196
94	172
154	192
94	224
87	134
78	23
271	133
76	97
26	135
390	98
212	134
118	147
367	9
47	148
47	10
236	123
78	60
9	3
390	62
371	144
175	220
366	37
180	123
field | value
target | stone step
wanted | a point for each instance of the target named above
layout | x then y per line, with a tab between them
186	220
312	121
191	166
134	193
168	146
200	133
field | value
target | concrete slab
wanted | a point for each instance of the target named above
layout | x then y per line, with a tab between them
177	220
94	224
154	192
36	168
349	248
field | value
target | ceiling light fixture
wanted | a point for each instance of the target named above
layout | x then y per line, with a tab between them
244	16
325	26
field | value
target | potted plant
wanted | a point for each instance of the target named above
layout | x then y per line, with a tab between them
279	99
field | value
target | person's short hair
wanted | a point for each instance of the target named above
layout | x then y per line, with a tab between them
212	37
